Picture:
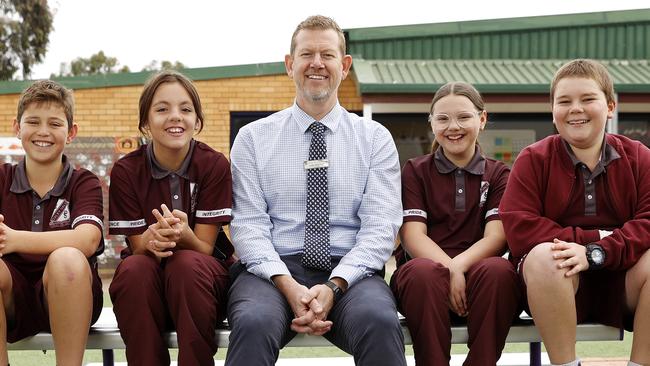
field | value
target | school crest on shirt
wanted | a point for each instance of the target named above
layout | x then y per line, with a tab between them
194	192
485	186
61	215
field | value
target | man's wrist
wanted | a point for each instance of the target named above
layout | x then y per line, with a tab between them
283	282
340	282
336	290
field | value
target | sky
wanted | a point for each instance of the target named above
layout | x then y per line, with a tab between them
207	33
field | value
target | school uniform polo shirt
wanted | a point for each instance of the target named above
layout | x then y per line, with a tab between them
75	199
201	187
455	203
590	205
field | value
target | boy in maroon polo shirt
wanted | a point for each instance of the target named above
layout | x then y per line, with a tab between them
577	217
170	198
50	231
453	238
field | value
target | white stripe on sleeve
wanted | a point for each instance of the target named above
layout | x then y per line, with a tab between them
213	213
415	212
126	224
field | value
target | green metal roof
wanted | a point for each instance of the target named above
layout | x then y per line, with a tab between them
602	35
491	76
501	55
139	78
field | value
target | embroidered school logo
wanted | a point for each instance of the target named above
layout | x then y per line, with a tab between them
485	185
61	215
194	192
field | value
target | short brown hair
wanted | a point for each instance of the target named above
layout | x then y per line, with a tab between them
318	22
47	91
588	69
150	87
461	88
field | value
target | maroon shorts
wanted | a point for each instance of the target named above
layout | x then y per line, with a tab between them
600	297
31	313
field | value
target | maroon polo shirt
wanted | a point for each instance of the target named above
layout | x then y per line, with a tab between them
75	199
590	207
201	187
455	203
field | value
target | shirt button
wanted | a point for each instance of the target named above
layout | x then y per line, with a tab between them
459	172
589	181
38	207
460	191
37	222
590	196
175	196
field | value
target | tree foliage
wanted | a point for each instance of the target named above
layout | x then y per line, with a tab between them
99	63
154	65
25	26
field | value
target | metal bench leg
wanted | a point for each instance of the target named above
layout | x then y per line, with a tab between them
108	357
535	354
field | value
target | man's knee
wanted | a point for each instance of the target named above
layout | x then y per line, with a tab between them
371	306
254	305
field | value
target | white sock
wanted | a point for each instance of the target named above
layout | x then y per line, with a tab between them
575	362
630	363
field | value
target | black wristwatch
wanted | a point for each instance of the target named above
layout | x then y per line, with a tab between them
595	256
338	293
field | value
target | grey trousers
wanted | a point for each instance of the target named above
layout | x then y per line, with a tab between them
365	319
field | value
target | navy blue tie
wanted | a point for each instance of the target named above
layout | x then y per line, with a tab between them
316	253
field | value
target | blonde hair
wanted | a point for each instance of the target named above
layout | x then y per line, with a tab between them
318	22
588	69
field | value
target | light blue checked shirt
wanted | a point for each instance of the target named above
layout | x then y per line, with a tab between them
269	188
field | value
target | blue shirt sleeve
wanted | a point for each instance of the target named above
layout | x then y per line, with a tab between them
380	213
251	225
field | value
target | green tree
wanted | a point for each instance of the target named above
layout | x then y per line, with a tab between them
98	63
25	26
154	65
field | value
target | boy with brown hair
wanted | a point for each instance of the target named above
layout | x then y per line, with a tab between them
576	212
50	230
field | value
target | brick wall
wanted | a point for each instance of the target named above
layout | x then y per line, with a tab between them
113	112
106	113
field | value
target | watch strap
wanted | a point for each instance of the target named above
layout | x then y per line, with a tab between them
338	293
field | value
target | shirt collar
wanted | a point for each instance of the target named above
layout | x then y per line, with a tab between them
475	166
331	120
158	172
20	183
607	154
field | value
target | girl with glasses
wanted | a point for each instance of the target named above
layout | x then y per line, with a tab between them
449	264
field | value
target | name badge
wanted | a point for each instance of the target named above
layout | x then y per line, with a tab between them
315	164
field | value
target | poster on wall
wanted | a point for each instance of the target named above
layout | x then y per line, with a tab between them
505	145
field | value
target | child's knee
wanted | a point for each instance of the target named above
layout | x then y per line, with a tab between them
539	265
66	264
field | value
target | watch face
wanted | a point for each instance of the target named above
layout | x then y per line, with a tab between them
597	256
